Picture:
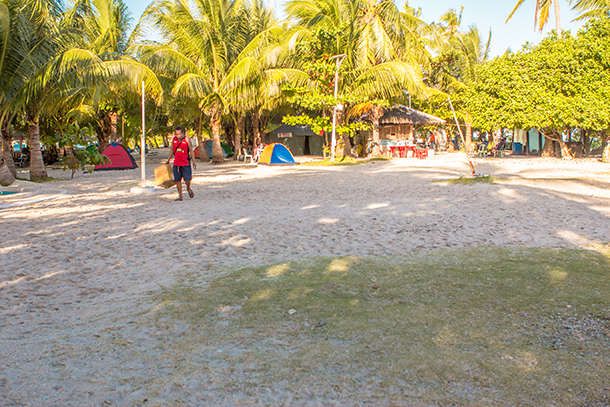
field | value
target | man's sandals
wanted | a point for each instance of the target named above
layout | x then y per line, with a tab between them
191	193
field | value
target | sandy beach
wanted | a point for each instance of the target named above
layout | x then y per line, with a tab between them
76	271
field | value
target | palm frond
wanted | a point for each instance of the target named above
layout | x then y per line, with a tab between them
191	85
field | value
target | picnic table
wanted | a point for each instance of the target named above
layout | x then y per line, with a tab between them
403	149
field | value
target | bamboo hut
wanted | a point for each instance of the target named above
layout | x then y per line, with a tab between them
397	123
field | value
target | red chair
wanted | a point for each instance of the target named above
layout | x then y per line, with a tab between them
421	153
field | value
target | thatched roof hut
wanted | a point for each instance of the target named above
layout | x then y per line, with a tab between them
399	114
399	123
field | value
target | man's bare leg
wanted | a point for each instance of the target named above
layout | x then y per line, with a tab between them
179	187
188	188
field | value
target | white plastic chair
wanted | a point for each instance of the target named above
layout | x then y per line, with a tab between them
246	155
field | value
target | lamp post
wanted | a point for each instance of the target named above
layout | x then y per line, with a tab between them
143	138
333	144
143	189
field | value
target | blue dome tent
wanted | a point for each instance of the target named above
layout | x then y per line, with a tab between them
276	154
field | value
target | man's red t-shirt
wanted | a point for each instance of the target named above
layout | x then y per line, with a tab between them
181	152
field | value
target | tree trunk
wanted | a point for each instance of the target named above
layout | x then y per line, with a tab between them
6	177
468	136
586	143
549	149
565	150
256	134
606	145
566	154
6	150
103	133
215	123
37	168
114	119
376	150
347	145
264	121
558	19
239	131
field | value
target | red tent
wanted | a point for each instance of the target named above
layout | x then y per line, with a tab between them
120	159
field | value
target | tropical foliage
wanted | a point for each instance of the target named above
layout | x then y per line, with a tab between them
215	64
548	87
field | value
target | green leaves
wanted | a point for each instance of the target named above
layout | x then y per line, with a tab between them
555	85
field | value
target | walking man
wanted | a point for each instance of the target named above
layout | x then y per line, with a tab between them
182	151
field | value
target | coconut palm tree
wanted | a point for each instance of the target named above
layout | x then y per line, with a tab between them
210	54
542	13
32	46
103	27
591	8
383	49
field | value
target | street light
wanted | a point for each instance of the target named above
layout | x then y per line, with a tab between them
333	143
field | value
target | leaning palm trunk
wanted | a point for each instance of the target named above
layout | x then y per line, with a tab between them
6	151
37	168
6	177
215	116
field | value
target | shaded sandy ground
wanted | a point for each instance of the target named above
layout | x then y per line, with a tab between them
75	271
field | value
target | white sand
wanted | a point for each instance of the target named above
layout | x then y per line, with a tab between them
75	271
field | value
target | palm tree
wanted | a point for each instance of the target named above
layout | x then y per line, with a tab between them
383	47
210	54
591	8
103	27
33	41
541	15
41	70
7	171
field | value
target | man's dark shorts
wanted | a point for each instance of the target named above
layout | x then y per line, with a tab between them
182	172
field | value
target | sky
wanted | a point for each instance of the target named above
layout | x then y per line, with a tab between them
485	14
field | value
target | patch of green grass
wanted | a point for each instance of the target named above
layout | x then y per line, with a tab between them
41	180
343	161
476	327
5	184
485	179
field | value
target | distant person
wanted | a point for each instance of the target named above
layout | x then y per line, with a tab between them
500	146
182	151
432	141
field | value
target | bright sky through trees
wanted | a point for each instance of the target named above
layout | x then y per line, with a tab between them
483	13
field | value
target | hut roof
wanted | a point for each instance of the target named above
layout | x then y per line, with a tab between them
399	114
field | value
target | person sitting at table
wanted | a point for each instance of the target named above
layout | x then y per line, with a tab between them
501	145
482	142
